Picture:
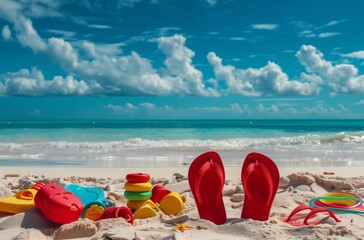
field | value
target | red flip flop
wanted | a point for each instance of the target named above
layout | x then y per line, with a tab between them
206	177
295	219
260	179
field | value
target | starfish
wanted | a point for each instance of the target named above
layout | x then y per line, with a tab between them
182	227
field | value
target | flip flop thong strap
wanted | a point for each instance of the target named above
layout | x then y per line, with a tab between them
318	210
297	210
252	167
209	166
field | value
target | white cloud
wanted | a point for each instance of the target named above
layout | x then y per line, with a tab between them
179	64
33	83
342	78
322	110
361	102
6	33
23	26
237	39
211	2
99	26
306	34
273	108
357	54
268	80
306	30
264	26
328	34
64	34
128	3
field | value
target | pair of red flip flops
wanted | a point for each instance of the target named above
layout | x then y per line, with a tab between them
260	179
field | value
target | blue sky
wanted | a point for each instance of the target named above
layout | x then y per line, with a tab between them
140	59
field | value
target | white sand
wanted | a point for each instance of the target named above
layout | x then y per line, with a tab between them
32	225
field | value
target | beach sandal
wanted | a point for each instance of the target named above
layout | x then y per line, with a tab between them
206	177
295	219
57	204
21	201
117	212
260	179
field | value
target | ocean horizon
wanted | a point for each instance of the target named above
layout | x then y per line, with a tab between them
170	143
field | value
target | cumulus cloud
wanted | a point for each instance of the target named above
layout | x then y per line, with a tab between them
6	33
268	80
100	69
179	65
342	78
33	83
28	37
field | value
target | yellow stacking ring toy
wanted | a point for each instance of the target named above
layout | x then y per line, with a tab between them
138	187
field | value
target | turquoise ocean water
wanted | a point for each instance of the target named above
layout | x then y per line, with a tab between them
159	143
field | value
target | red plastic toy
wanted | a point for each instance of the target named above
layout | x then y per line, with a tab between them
58	204
137	177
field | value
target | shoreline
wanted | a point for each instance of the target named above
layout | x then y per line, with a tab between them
230	172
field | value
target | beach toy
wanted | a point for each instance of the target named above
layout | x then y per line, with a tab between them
57	204
92	198
21	201
206	177
137	177
341	202
138	187
158	193
135	205
145	212
296	219
171	204
116	212
138	192
137	196
260	179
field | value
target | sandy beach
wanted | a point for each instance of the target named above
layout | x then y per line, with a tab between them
301	186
